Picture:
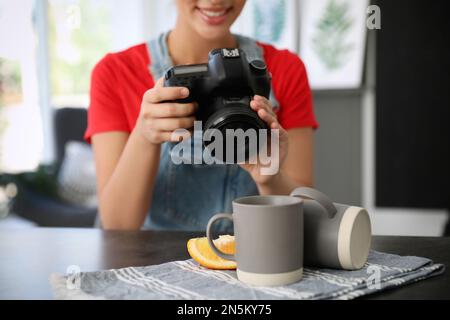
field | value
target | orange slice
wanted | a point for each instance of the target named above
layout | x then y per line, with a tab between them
201	252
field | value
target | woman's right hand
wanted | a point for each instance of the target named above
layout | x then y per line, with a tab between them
158	120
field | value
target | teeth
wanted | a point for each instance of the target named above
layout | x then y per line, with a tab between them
214	14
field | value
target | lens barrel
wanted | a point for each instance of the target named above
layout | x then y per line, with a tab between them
235	117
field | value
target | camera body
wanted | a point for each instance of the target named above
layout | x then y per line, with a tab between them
224	88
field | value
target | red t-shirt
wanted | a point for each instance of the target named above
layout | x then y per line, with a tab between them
119	81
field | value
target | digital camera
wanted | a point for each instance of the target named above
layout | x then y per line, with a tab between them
223	89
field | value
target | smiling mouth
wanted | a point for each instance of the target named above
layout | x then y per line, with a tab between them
214	16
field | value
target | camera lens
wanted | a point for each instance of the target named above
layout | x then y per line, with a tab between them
235	117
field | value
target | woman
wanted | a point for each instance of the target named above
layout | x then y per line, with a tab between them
130	126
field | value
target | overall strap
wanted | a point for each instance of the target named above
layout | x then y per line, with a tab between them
159	56
255	52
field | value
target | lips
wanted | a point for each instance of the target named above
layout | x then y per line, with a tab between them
213	16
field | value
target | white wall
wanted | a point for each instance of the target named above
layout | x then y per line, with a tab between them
158	16
129	22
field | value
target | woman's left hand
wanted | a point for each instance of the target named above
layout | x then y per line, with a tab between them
265	111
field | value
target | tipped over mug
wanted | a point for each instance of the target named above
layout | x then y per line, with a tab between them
335	235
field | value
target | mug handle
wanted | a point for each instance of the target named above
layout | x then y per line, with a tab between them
211	222
313	194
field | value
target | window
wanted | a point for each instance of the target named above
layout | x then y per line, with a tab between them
79	35
47	52
21	140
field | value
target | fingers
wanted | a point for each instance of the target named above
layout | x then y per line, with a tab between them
268	118
170	110
175	136
171	124
168	136
159	83
261	98
161	94
260	102
162	121
263	108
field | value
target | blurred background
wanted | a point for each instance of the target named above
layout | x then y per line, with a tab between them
379	71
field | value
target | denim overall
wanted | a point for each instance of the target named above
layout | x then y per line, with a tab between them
186	196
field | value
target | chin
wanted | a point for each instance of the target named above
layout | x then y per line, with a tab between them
212	34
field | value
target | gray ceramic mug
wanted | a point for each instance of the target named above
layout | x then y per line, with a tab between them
269	239
336	235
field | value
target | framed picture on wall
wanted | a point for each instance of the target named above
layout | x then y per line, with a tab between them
333	41
270	21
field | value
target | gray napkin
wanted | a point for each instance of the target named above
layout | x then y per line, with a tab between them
186	280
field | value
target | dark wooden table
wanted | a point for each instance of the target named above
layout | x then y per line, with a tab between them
29	256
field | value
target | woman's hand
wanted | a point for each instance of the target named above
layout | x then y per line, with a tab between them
159	119
265	111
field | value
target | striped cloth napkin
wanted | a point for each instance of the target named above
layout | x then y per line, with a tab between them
186	280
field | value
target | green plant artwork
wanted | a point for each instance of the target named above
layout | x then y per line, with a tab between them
269	19
330	40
